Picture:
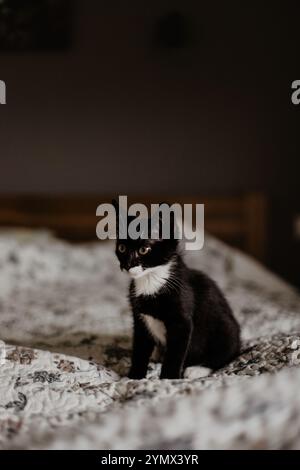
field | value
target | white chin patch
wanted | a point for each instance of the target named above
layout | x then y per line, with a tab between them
136	271
151	280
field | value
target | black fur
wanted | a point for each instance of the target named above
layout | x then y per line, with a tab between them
200	326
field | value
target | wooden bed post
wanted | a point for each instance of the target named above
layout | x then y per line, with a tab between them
239	220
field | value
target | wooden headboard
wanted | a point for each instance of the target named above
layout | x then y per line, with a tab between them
238	220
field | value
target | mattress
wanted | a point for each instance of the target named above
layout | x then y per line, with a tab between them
65	331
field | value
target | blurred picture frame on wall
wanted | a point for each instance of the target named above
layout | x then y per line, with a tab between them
35	25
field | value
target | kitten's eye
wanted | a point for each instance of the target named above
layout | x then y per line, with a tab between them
144	250
122	248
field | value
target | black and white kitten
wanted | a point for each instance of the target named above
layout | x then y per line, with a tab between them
178	308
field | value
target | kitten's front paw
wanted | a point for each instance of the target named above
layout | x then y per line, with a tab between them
196	372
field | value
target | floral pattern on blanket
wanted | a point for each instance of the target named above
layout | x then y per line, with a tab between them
66	325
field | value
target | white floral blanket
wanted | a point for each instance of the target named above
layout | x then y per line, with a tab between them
66	328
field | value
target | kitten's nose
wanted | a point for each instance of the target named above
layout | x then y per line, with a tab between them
127	266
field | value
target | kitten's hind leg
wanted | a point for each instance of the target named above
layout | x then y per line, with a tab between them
196	372
158	352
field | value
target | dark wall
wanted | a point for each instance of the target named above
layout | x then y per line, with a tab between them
116	112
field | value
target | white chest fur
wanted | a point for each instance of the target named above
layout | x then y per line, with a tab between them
152	280
155	327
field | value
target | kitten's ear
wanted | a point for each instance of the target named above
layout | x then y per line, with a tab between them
156	223
164	203
159	223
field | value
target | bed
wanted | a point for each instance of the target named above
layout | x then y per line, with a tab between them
238	219
65	351
66	332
